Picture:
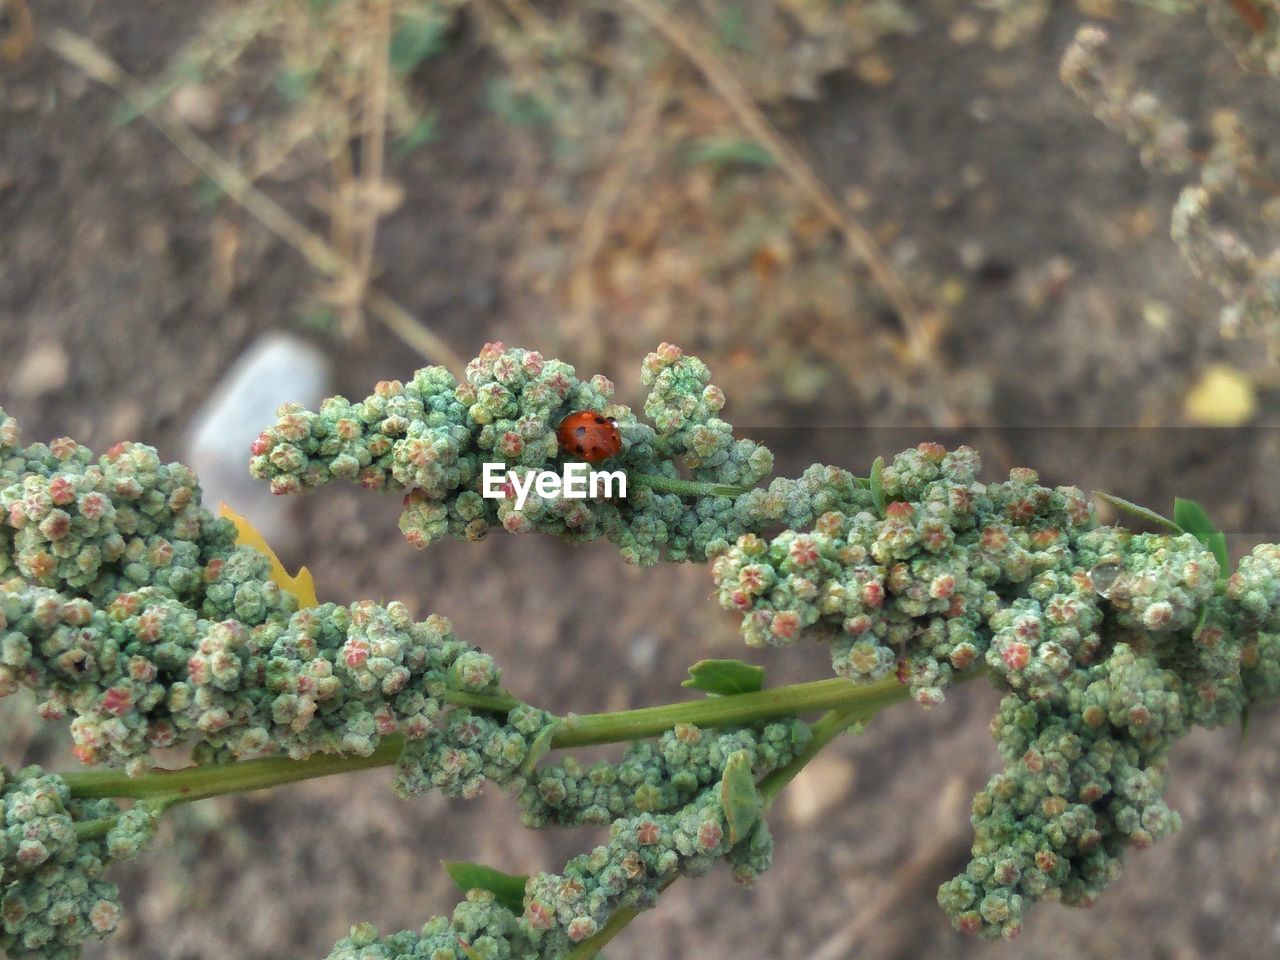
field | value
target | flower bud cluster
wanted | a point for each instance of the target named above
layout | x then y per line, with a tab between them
644	852
915	590
430	437
1111	645
684	408
656	776
480	927
470	748
52	895
99	528
147	671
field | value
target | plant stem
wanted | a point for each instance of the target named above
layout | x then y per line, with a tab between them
94	829
858	701
686	488
772	704
832	724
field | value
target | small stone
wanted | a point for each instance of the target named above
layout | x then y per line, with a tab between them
819	787
277	369
1223	397
43	370
196	105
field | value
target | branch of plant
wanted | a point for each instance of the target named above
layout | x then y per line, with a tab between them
853	701
825	730
373	134
87	57
686	488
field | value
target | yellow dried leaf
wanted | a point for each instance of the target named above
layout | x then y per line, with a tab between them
301	585
1223	397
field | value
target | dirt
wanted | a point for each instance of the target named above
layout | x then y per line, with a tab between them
992	171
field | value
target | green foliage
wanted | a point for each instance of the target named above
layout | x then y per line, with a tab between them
1192	518
515	106
418	37
729	152
725	677
1145	514
507	888
877	485
740	797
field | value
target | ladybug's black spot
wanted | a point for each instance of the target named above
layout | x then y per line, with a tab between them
580	432
579	449
599	419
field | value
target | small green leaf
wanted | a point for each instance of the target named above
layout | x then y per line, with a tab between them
725	677
294	84
1141	512
1202	614
740	797
507	888
1194	519
723	152
416	39
734	32
877	485
516	107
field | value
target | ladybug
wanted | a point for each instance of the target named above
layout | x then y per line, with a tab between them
590	436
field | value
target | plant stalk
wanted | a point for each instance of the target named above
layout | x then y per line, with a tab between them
857	701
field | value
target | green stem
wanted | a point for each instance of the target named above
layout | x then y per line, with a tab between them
215	779
686	488
588	949
736	710
94	829
832	724
200	782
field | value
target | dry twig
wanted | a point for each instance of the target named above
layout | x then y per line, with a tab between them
723	80
84	55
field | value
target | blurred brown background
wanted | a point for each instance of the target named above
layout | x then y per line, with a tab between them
557	176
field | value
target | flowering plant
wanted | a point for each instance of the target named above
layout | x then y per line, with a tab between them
150	623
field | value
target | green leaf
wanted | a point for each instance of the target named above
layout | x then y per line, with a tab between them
734	31
725	677
468	950
1202	614
507	888
294	84
1141	512
515	106
728	152
1194	519
416	39
877	485
742	800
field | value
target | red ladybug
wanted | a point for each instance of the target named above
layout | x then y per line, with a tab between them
589	436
